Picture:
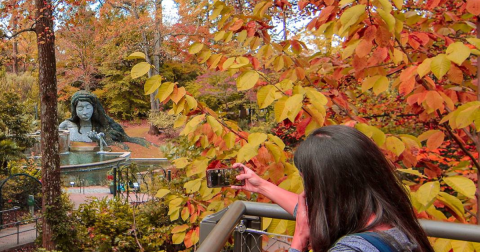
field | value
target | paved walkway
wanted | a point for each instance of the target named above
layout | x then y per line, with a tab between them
77	196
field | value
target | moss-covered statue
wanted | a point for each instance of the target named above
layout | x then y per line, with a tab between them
89	117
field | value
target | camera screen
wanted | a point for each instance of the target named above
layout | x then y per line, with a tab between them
223	177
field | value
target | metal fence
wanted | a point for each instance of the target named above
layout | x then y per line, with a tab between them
243	218
17	227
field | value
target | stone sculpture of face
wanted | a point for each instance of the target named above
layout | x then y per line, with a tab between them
84	110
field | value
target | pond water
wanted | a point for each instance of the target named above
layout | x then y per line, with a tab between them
75	158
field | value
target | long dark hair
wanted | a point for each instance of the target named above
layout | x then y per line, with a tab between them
347	179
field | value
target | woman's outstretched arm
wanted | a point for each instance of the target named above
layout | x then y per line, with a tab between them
253	183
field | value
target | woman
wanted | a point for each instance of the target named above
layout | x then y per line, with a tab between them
88	115
350	188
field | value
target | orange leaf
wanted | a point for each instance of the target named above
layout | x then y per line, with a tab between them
434	100
188	239
407	86
473	6
178	94
237	25
435	140
364	48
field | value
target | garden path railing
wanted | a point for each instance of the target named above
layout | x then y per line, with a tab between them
245	218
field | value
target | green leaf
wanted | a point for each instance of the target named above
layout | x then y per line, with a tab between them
195	48
427	193
161	193
136	55
462	185
193	186
140	69
152	84
165	91
440	65
247	80
458	52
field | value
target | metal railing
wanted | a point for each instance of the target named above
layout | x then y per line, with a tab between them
216	229
16	223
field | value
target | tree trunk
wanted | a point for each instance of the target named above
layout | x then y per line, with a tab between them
15	48
154	104
48	115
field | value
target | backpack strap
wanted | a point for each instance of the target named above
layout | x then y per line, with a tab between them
377	241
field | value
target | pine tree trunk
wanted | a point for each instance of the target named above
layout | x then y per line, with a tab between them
48	115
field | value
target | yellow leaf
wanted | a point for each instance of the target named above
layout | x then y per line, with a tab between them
458	52
278	63
266	222
348	51
241	62
136	55
198	166
275	150
280	111
314	95
410	141
386	5
178	229
192	103
427	192
241	36
369	82
215	14
161	193
247	80
424	68
398	4
192	186
294	104
440	65
285	85
152	84
377	135
265	96
165	91
461	246
388	18
435	213
462	185
466	114
228	63
219	35
442	245
351	15
185	214
192	124
140	69
278	226
397	56
204	56
214	60
216	126
395	145
380	85
474	41
177	238
180	121
247	152
229	139
453	203
181	163
257	138
344	3
277	141
195	48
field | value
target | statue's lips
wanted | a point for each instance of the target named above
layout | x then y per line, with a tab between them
84	118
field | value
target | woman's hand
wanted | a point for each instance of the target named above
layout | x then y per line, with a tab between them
253	182
302	228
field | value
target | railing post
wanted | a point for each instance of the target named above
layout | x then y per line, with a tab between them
248	242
